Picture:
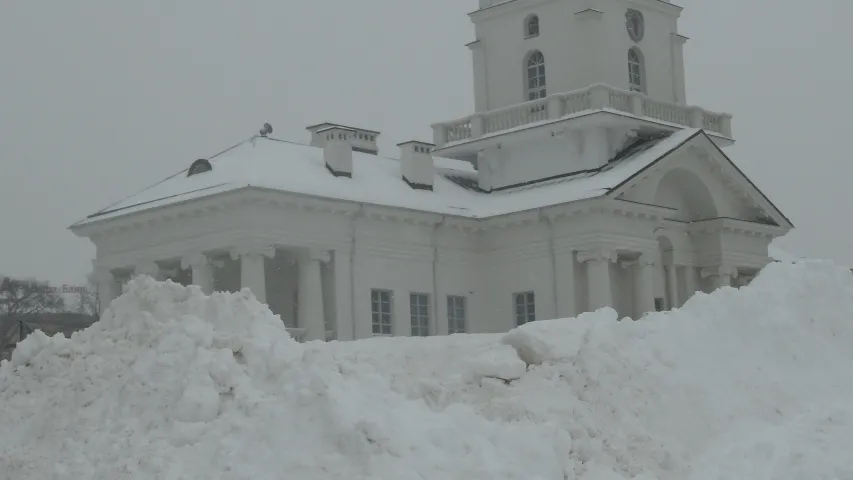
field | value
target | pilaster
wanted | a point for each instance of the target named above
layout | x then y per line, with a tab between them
564	265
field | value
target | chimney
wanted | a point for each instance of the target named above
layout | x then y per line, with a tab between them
363	141
417	165
337	149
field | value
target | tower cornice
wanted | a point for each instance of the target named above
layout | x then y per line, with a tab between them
515	5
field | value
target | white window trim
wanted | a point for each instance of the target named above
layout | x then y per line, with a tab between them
452	320
641	74
390	314
515	297
412	315
527	29
541	88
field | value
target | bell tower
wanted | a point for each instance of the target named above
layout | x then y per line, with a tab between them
528	48
564	86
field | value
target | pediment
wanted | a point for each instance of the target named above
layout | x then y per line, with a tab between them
697	181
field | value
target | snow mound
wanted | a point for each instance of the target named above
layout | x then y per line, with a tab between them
172	384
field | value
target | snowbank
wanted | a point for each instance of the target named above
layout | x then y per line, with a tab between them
171	384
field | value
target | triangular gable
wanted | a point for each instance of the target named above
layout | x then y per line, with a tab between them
725	163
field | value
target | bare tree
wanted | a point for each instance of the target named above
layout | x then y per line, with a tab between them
28	297
20	298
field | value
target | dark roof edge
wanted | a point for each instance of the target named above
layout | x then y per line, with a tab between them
655	161
765	197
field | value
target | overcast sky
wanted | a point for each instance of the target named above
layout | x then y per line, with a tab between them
99	99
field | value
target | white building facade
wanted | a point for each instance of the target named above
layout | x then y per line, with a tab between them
582	180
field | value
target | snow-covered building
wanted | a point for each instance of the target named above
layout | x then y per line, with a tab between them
583	179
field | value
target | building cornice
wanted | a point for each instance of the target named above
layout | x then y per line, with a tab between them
735	226
516	5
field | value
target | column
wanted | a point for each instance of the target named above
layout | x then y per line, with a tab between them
645	301
721	275
598	275
725	276
689	283
150	269
107	287
202	271
310	293
252	272
672	284
344	327
564	265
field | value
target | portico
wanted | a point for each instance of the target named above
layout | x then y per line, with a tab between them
293	281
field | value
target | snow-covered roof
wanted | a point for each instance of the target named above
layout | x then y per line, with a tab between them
291	167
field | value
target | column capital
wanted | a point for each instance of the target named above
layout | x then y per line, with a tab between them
146	267
195	260
719	270
597	255
241	251
648	259
316	255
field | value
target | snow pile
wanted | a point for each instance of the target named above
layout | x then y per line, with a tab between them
171	384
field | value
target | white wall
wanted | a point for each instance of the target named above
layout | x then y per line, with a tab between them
579	49
484	261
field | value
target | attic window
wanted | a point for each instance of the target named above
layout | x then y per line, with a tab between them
199	166
531	26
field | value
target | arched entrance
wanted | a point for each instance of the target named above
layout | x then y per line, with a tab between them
691	200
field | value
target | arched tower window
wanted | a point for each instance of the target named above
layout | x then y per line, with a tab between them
536	75
636	78
531	26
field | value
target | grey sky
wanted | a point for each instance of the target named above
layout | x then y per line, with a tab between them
99	99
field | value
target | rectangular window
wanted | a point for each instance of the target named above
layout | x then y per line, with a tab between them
419	305
381	308
455	314
525	308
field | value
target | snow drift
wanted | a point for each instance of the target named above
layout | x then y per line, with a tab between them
172	384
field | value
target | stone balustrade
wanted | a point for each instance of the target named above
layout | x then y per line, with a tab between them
561	105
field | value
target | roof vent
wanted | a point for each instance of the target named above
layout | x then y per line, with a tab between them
199	166
363	140
417	164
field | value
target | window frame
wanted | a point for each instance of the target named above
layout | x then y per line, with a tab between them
535	76
529	22
378	317
636	69
456	304
421	323
528	302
